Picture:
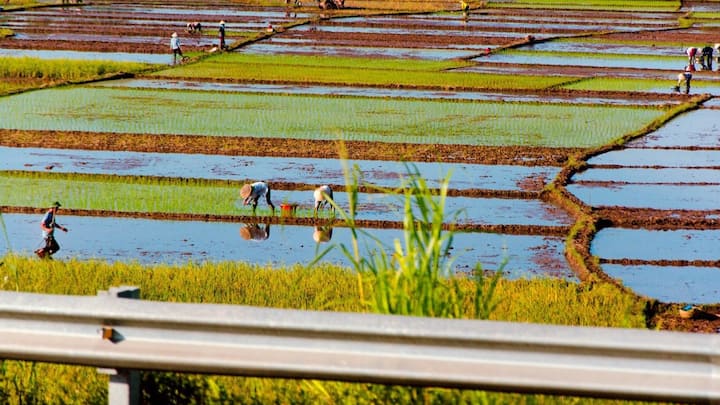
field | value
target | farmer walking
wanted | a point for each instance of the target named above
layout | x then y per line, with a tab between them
251	193
221	34
175	46
48	226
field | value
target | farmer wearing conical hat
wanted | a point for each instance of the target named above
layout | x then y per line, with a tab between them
48	226
175	46
251	193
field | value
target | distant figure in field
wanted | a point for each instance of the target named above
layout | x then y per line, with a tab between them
706	57
691	53
465	7
251	193
193	27
221	35
684	78
175	46
323	195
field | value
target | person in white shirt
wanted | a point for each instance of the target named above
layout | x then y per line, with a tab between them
175	46
323	195
251	193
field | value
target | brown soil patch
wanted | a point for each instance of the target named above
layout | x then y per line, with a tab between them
249	146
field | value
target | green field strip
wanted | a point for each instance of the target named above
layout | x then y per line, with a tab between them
352	71
121	194
160	112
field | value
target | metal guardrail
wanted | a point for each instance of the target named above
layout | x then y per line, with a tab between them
127	334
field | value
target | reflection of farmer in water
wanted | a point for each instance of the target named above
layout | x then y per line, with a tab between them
255	232
322	234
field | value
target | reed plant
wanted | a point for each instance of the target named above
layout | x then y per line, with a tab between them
417	279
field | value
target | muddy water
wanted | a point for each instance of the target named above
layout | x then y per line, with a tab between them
366	92
668	283
571	60
698	128
273	169
262	48
640	157
662	196
681	284
475	211
659	178
650	176
606	47
154	242
195	41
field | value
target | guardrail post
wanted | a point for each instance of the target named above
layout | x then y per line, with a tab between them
124	385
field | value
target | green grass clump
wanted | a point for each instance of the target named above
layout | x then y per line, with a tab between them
321	118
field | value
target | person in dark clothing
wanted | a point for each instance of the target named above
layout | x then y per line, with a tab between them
221	35
48	226
706	58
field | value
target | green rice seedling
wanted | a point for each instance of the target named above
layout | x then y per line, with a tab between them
62	69
366	72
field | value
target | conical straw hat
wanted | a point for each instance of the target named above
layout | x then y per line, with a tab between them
245	191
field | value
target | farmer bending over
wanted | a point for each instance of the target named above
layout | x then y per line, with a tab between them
251	193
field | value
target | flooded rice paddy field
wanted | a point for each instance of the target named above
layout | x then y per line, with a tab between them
178	242
273	169
670	170
111	27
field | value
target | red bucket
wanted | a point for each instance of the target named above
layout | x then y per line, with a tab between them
287	210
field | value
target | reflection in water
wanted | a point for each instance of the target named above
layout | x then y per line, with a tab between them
255	232
322	234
